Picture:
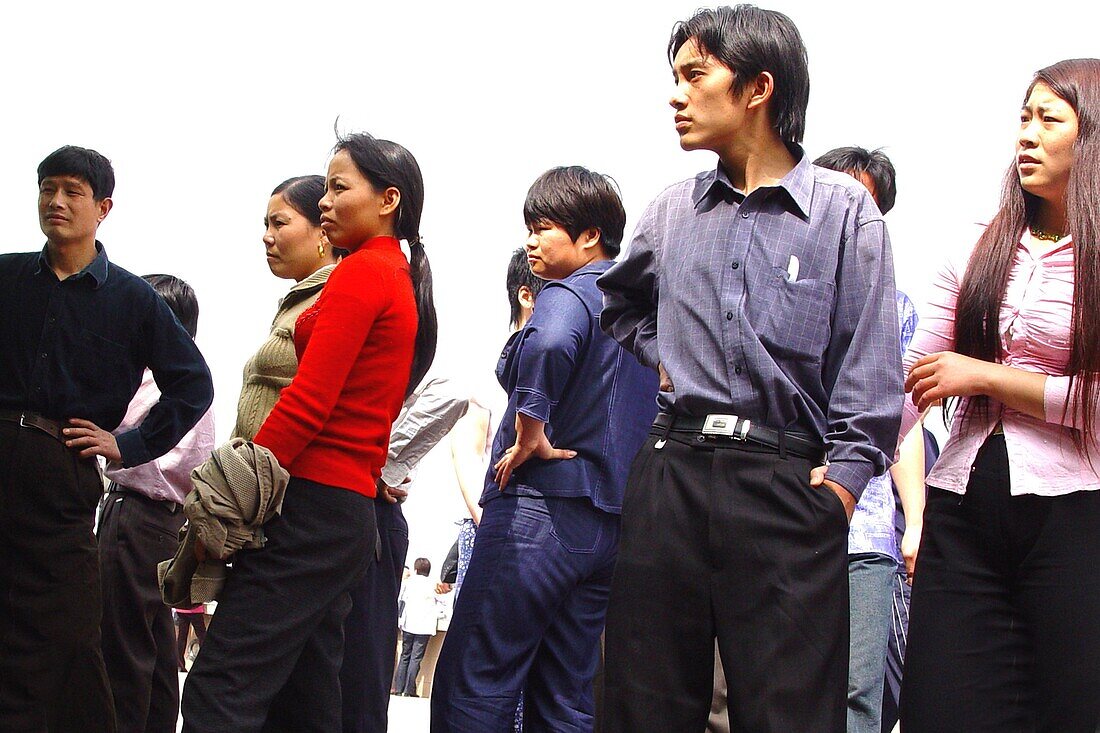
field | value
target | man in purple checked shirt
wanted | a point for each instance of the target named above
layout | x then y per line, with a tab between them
763	292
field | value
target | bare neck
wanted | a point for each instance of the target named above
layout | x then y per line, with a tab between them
761	159
68	258
1051	217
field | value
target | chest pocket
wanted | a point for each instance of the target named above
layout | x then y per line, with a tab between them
98	361
797	321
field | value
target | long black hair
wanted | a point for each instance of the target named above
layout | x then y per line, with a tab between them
385	164
977	314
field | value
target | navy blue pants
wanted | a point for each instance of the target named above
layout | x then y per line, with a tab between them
528	619
370	632
271	658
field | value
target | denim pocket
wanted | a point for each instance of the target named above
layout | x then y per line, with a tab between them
574	524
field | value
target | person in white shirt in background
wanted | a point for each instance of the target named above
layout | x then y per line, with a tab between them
420	612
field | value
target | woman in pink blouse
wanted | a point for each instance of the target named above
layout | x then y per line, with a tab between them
1005	622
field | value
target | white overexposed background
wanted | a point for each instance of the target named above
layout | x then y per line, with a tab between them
204	107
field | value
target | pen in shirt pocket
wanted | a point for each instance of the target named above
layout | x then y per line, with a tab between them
792	269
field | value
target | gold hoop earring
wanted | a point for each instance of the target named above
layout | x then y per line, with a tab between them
321	250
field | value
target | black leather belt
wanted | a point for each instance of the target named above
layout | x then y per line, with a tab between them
724	428
32	420
171	506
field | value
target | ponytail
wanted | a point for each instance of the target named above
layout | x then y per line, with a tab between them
385	163
427	332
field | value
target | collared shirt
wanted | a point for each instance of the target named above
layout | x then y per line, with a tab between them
872	528
1035	336
78	347
167	478
594	397
426	417
777	306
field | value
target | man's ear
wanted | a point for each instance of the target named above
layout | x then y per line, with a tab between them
760	90
105	204
590	239
525	297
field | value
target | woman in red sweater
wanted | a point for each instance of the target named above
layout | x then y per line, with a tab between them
272	655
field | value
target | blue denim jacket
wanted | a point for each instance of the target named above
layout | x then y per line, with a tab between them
594	397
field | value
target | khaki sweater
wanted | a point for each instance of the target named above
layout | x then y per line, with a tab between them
272	367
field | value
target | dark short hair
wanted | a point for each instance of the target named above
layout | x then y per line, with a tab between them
422	566
874	163
180	298
577	199
89	165
519	275
749	40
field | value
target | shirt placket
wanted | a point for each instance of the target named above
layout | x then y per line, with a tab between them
733	302
48	344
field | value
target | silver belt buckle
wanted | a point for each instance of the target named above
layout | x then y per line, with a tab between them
729	426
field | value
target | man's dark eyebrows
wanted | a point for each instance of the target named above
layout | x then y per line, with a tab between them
689	63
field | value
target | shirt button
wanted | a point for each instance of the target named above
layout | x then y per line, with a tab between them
43	355
736	265
729	315
737	370
744	215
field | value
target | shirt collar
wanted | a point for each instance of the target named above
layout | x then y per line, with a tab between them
597	266
96	269
798	183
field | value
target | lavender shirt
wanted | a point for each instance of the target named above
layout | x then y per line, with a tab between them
872	528
167	478
777	306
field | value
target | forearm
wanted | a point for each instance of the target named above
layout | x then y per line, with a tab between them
908	475
1018	389
529	431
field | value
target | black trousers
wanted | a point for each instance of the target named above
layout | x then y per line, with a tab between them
51	668
271	657
370	632
139	642
727	542
1003	628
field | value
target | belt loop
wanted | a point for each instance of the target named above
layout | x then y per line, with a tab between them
782	444
664	436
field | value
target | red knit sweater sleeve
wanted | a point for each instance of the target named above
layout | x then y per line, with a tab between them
355	295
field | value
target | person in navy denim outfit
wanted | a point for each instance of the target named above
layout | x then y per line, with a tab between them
534	597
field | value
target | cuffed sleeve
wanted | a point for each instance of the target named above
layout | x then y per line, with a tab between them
864	361
552	344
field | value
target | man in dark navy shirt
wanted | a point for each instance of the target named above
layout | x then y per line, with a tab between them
532	604
76	333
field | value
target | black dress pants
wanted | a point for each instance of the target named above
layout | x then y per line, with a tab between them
1004	627
51	667
139	642
370	632
728	542
271	657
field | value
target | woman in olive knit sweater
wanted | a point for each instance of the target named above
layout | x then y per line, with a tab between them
296	250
